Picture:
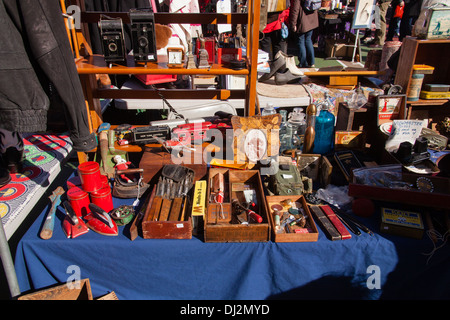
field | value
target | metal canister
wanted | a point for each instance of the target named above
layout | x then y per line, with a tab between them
79	200
89	173
103	198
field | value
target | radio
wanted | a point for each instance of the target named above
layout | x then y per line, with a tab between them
111	33
145	135
143	35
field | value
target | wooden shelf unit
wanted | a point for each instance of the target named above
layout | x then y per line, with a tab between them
434	53
89	64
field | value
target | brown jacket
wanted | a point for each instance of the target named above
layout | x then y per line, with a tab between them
303	20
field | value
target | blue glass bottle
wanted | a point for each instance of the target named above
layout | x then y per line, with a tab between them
325	121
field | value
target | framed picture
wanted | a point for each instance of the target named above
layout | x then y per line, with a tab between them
362	18
390	107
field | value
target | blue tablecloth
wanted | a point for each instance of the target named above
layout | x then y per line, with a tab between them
364	267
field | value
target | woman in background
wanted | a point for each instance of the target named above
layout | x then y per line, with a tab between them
302	24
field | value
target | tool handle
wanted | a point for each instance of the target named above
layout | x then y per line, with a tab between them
175	211
131	170
49	223
103	142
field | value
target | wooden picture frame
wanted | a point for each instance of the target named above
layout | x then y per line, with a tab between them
362	18
390	107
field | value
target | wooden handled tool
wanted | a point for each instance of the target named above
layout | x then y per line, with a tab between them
166	203
156	202
47	229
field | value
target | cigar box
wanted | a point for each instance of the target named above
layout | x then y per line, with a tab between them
295	233
221	222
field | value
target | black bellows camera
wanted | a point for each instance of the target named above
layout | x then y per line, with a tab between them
111	32
143	35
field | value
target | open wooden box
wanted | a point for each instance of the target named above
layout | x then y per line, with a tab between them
219	220
310	236
62	292
152	229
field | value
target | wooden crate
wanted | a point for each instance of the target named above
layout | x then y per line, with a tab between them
311	236
62	292
166	229
218	220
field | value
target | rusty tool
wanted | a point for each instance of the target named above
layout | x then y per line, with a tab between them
49	223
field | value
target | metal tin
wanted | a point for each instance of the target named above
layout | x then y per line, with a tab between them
79	200
103	198
89	173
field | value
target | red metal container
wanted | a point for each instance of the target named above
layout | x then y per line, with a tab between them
79	200
89	173
103	198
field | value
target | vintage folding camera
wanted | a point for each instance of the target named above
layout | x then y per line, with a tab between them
111	32
143	35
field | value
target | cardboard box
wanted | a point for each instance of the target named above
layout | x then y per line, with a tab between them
402	223
220	222
308	234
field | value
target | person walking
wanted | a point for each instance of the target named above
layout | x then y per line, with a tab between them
302	24
410	14
394	21
380	33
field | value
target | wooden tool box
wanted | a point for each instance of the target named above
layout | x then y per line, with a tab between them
311	233
220	224
167	216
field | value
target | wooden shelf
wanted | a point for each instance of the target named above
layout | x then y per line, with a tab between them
96	64
430	102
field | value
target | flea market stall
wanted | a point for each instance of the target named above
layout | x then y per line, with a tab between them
340	191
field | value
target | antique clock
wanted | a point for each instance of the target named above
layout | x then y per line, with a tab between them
175	57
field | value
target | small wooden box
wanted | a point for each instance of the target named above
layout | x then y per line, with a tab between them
62	292
312	234
218	220
166	229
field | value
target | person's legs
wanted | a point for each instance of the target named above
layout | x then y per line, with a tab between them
309	47
380	34
301	51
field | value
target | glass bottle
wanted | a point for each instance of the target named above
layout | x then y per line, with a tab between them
268	110
283	122
325	121
295	129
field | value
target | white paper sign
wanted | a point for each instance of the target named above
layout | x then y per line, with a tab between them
404	130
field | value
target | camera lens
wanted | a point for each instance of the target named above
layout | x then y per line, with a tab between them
143	42
112	47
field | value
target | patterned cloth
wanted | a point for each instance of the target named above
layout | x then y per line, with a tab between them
44	155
